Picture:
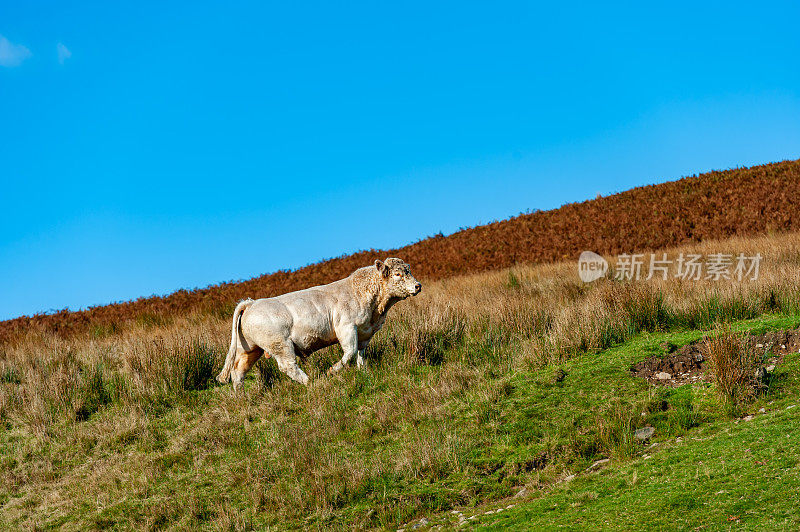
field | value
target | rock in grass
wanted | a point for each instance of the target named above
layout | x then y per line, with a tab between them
762	376
663	376
598	464
644	433
559	375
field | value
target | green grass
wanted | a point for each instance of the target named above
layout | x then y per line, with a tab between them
705	471
722	476
384	447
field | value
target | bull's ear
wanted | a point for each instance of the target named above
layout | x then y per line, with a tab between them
382	267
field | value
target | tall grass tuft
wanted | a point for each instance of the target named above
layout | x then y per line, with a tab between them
615	428
430	340
162	369
644	306
734	367
198	366
92	392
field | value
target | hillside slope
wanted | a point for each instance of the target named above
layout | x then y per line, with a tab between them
480	386
744	201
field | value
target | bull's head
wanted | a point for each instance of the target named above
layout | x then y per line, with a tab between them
397	278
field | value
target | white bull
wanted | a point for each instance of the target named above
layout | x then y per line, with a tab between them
349	311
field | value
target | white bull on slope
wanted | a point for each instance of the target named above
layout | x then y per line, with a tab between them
349	311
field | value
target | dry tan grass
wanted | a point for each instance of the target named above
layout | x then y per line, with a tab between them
545	309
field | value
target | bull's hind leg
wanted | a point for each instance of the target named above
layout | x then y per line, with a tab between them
286	357
243	362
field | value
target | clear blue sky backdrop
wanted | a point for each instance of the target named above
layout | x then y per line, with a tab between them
150	146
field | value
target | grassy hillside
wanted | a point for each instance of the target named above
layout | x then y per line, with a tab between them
715	475
463	405
746	201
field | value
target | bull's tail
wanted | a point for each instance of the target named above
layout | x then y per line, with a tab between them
225	375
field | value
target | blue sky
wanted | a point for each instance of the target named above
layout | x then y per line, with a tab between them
151	146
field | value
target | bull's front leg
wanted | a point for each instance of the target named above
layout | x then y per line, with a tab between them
348	339
361	362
